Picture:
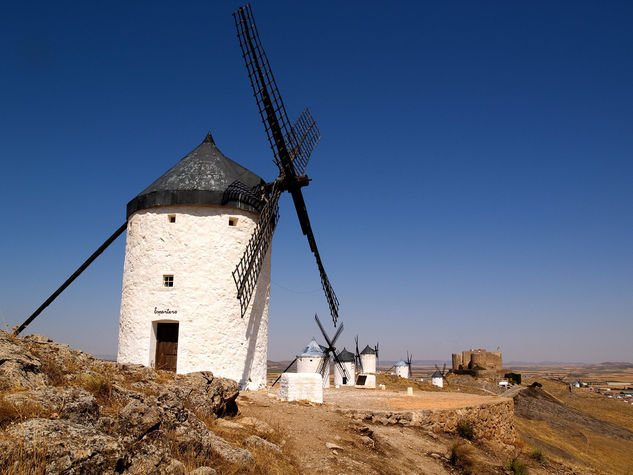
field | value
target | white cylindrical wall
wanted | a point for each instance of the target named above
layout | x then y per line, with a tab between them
439	382
368	362
350	368
200	249
402	371
311	364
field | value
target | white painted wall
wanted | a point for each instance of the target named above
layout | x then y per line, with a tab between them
402	371
368	363
300	387
370	381
310	364
201	250
350	367
439	382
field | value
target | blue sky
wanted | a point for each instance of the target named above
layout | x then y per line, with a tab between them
472	188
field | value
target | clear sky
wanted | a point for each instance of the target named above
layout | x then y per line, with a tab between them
473	186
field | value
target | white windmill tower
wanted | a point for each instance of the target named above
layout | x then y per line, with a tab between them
199	237
313	359
368	360
402	369
438	377
178	308
347	360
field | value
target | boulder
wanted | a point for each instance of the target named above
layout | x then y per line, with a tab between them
72	403
18	366
59	446
206	394
255	441
220	447
261	427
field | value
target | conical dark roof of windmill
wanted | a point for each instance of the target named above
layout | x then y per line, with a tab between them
368	351
200	178
346	357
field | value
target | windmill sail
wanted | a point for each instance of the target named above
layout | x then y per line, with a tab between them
250	264
291	150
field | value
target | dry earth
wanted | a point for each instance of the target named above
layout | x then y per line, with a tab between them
322	441
64	411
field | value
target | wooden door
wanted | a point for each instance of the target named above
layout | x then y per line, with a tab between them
166	346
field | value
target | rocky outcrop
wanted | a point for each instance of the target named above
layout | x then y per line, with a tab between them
62	410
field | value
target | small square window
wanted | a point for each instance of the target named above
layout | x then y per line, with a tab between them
168	280
232	221
172	218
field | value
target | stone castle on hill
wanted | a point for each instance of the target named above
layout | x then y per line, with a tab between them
477	360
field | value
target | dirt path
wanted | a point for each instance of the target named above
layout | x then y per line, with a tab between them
361	448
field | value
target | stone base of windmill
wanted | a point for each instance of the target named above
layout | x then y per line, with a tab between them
301	387
366	381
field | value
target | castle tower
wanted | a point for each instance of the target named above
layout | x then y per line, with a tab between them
179	309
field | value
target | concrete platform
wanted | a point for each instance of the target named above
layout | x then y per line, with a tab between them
301	387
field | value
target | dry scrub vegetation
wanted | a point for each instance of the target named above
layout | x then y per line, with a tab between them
582	428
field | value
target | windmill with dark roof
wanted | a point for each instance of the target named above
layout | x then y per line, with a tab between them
368	359
196	279
348	362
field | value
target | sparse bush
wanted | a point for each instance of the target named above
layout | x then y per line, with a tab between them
518	467
100	385
52	369
465	429
537	455
462	456
8	413
536	384
11	412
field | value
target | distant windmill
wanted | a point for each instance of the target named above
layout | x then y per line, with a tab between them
409	358
330	352
402	368
315	358
438	377
368	359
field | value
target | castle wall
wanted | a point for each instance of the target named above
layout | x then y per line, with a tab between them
478	359
466	359
201	251
493	360
457	361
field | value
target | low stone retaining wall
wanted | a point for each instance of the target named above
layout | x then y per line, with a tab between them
490	420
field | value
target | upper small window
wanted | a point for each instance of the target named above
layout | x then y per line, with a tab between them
168	280
171	218
232	221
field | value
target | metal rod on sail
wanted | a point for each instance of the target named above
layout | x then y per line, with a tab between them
287	368
69	281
